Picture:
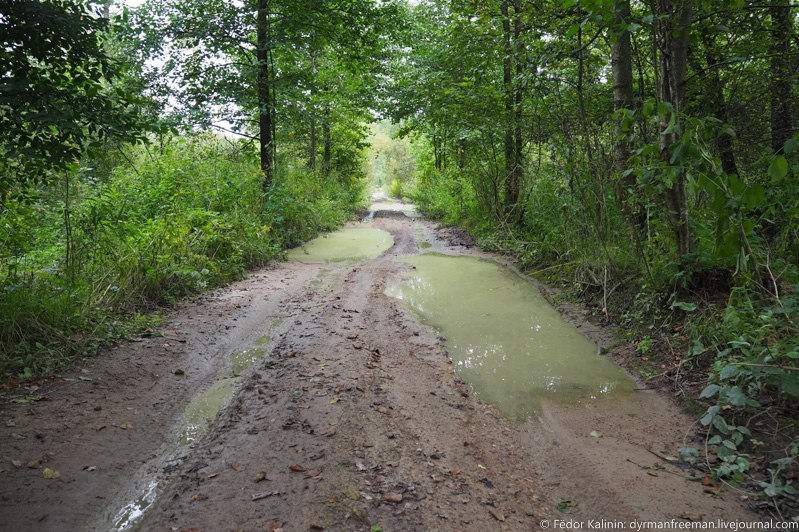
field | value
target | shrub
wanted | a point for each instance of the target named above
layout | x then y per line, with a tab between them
172	222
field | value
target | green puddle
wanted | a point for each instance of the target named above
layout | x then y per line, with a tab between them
202	410
242	360
504	338
352	243
197	418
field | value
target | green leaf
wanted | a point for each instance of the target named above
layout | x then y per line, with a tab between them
778	168
685	307
689	455
735	396
711	413
710	391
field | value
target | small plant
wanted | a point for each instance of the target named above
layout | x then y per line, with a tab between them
644	345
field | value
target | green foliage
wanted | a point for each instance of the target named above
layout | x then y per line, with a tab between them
174	221
656	210
62	92
395	188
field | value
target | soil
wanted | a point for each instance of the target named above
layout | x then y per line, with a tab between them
355	419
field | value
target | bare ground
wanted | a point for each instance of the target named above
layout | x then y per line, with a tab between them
355	419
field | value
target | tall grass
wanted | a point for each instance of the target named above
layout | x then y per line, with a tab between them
168	222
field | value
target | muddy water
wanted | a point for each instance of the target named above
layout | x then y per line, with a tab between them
353	243
197	419
504	338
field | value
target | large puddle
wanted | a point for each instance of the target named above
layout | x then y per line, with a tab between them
352	243
504	338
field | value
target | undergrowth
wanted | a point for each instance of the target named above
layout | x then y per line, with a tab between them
728	347
90	259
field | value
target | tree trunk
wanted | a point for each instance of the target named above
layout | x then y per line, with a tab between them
781	123
622	70
312	116
437	158
622	67
719	105
673	31
327	144
312	144
264	93
511	187
518	147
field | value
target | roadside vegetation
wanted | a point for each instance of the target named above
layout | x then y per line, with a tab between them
642	155
645	158
139	168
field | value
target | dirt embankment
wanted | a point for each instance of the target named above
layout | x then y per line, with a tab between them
353	419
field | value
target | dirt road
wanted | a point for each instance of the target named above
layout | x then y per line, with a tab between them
352	419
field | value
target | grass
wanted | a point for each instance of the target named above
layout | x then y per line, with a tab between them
164	224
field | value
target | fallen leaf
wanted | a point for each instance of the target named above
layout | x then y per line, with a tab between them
238	468
198	497
264	495
273	525
126	426
260	477
596	434
392	497
334	400
50	474
296	468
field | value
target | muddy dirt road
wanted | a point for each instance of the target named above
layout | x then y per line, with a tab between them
338	408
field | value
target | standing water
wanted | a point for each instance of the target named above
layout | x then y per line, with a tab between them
353	243
503	336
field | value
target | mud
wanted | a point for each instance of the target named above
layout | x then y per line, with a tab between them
353	417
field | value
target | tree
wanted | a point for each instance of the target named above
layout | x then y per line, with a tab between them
782	74
672	37
60	90
258	68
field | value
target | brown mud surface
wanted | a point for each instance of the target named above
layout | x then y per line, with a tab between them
354	418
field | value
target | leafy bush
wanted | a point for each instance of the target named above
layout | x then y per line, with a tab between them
170	222
395	188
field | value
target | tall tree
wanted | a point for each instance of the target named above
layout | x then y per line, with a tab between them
672	38
265	104
782	74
